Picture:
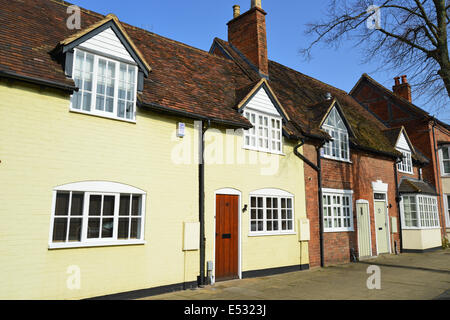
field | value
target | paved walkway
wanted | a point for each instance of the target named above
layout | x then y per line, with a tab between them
407	276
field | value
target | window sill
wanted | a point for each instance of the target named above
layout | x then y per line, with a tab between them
420	228
265	151
101	115
339	230
52	246
263	234
405	172
336	159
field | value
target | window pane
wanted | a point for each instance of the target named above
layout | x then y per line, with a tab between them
122	232
93	228
62	204
135	232
59	229
124	207
108	205
136	206
107	228
77	204
75	229
95	204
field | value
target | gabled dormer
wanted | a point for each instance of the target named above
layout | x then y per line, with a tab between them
335	124
262	108
404	145
107	68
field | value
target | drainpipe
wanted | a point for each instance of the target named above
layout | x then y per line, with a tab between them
397	199
201	182
318	169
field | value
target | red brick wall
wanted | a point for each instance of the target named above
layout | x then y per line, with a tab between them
357	176
248	33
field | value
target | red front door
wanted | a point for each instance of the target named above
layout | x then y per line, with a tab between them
227	207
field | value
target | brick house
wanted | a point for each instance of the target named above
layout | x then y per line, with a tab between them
430	138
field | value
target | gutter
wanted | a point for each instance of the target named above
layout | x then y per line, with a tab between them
318	169
38	81
191	115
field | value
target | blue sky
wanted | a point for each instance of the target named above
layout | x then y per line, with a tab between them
197	22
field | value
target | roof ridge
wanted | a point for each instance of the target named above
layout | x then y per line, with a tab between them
130	26
314	79
87	11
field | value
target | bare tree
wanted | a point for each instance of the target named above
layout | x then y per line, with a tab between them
411	37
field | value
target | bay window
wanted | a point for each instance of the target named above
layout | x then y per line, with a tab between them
106	87
419	212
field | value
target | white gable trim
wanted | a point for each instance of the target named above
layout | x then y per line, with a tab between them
402	143
107	43
261	102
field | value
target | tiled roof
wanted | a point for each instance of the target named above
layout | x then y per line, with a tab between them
393	134
409	185
304	99
183	78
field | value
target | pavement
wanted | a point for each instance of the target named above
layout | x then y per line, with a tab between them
408	276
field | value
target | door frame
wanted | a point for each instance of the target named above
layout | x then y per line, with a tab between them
370	226
228	192
388	235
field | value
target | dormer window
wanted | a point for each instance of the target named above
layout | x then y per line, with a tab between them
338	148
403	145
406	165
106	87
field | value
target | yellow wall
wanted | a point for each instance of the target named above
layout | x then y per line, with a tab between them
43	145
250	171
421	239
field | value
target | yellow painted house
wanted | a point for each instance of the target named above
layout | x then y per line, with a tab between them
107	188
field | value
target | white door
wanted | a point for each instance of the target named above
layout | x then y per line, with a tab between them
363	220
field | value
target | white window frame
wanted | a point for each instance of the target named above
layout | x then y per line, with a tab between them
447	209
274	135
279	195
405	166
332	207
339	142
442	160
103	188
93	111
427	218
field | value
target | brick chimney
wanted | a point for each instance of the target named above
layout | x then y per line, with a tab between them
402	89
247	32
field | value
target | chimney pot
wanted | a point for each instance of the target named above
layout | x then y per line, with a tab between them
256	3
404	80
397	81
236	11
